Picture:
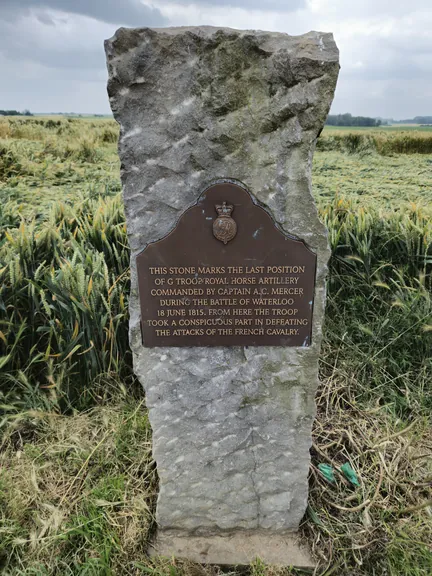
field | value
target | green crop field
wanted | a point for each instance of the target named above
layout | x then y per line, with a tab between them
77	482
383	129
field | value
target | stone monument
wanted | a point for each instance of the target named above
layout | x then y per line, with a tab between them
228	266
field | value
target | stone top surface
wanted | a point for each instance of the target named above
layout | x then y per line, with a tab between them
314	45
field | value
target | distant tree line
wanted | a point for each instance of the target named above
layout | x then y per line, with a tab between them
15	113
416	120
349	120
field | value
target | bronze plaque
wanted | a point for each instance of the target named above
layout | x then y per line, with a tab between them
226	276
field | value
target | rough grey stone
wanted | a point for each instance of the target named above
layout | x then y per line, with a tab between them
231	426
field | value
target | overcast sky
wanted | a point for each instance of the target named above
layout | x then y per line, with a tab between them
52	58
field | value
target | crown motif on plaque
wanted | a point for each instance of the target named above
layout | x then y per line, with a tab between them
224	209
224	227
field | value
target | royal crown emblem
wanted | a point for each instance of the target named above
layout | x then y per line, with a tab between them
224	227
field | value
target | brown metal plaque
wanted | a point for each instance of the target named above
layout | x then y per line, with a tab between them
226	276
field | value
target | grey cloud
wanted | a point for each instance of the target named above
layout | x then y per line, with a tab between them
380	97
17	43
401	56
384	73
265	5
128	12
54	90
45	19
373	8
25	48
409	44
78	59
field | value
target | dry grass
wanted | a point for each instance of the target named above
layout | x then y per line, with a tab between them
77	493
358	530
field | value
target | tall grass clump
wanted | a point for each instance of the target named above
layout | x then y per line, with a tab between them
353	142
9	218
63	304
379	312
104	132
83	149
109	134
5	131
10	161
404	143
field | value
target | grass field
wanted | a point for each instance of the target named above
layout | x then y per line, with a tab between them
77	482
389	128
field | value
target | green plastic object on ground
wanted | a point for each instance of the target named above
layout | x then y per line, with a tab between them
328	472
349	473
